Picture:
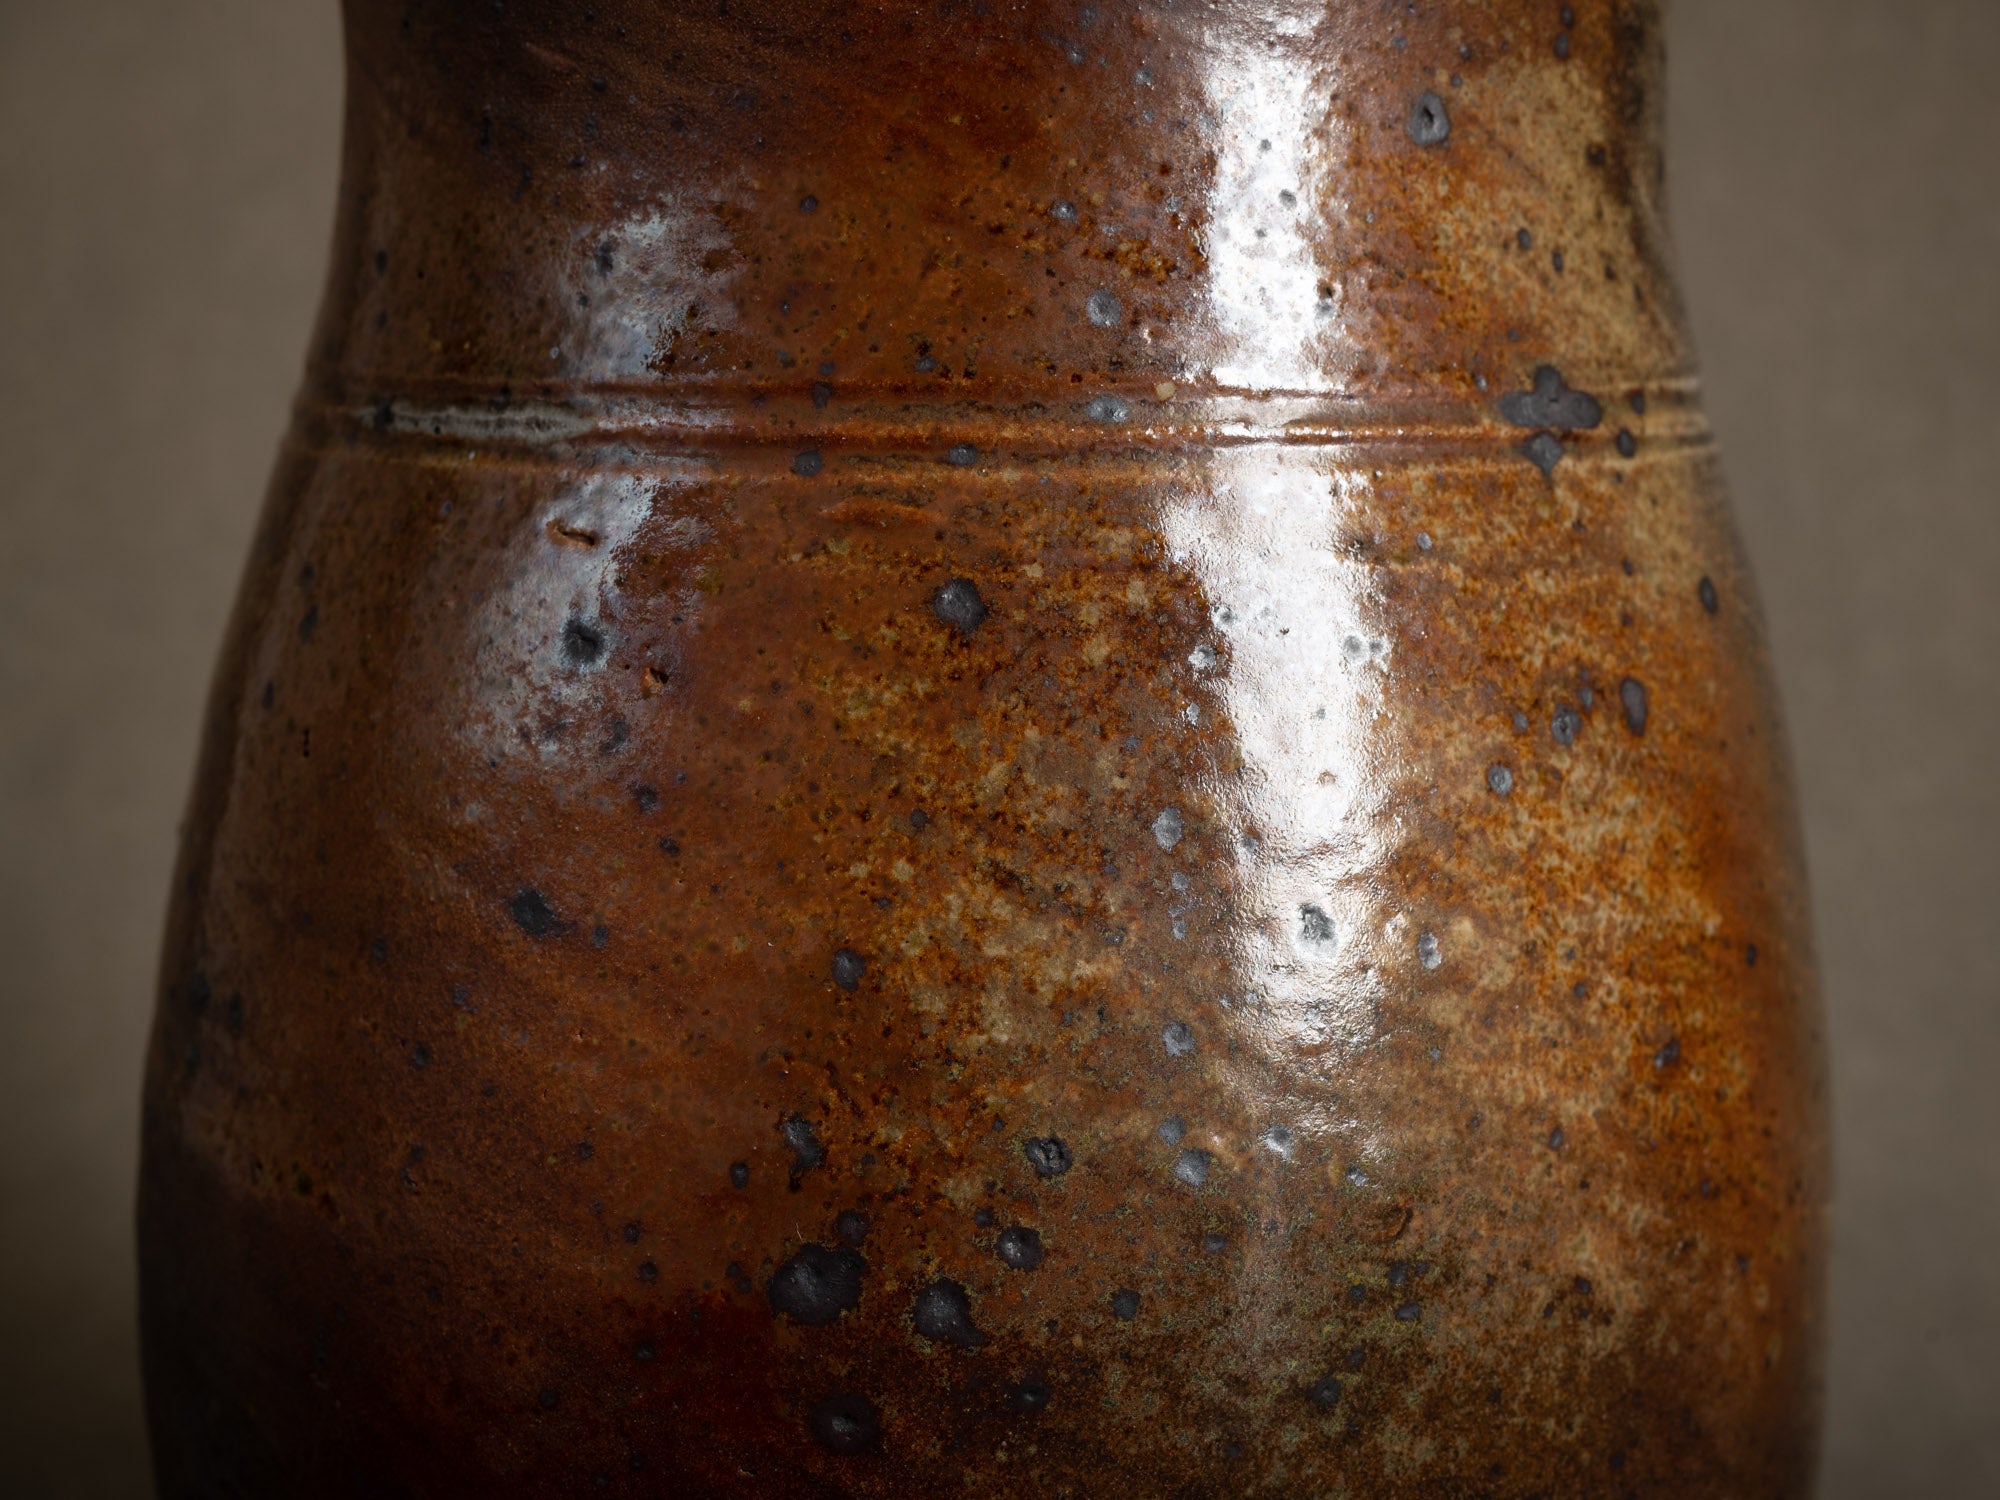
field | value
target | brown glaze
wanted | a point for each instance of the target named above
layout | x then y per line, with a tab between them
995	749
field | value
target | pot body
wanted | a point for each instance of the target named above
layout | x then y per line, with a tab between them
993	749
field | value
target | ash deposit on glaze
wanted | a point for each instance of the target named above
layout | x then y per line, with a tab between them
992	749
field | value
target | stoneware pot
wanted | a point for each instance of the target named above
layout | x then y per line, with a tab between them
996	748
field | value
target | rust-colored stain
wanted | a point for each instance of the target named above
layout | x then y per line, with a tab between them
991	749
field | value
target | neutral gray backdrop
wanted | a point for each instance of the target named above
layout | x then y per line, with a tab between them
166	187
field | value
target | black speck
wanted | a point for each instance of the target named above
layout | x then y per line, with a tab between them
1556	1139
1544	450
1020	1249
983	1217
1632	694
919	820
632	1232
851	1226
822	395
648	1272
1124	1304
846	1424
420	1056
546	1398
1750	955
848	967
1029	1397
808	204
1566	725
583	643
599	935
817	1285
808	463
739	1174
1408	1312
1705	591
585	1151
1049	1155
1525	240
532	914
1668	1055
958	604
1325	1393
1501	780
961	455
1562	45
1568	16
1551	403
1627	444
1556	261
943	1313
1215	1244
646	798
1429	125
309	622
807	1152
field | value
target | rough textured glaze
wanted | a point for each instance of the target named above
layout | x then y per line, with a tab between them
992	749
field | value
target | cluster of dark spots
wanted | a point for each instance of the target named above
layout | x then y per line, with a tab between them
1125	1304
1429	124
1632	695
738	1278
1705	591
1325	1393
845	1424
739	1174
1566	725
583	643
848	967
1019	1248
851	1226
816	1285
1049	1155
942	1313
533	915
1029	1396
808	463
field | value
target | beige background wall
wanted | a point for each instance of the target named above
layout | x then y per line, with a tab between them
166	181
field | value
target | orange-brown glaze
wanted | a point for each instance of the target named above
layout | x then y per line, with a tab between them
994	749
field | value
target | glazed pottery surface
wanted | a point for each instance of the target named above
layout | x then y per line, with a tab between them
994	749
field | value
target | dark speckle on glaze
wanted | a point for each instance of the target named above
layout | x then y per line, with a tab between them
1429	124
808	463
848	968
1566	725
1215	1244
807	1152
1124	1304
533	915
851	1226
1632	696
1552	404
1501	780
1049	1155
1705	591
1029	1396
958	604
816	1285
1193	1167
1325	1393
962	456
1544	450
1172	1131
1408	1312
846	1424
1627	444
583	643
942	1313
739	1174
1020	1249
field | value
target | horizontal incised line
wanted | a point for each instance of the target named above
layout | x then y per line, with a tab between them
967	432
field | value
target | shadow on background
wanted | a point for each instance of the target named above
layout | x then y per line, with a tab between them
166	192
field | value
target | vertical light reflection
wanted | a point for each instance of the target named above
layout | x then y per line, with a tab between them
1303	661
1269	104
